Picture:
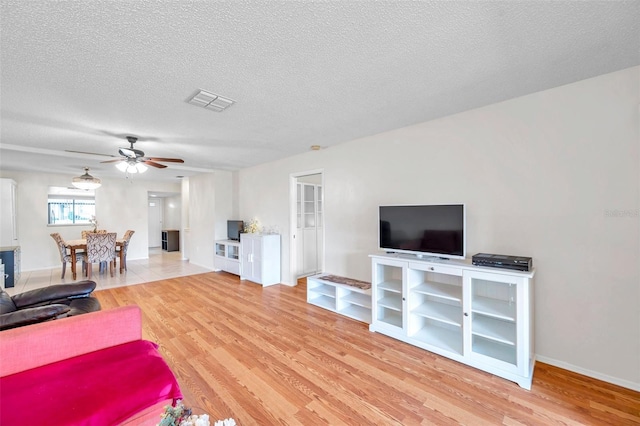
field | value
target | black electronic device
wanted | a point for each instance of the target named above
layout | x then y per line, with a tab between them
423	230
234	228
517	263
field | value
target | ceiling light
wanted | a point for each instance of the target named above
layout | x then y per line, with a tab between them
315	147
86	181
210	101
131	166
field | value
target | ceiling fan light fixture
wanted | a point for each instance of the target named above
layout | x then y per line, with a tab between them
122	166
86	181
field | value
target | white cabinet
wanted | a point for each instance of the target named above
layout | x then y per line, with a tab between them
350	301
8	216
260	258
227	256
479	316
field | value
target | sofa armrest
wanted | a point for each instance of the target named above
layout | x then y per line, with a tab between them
31	315
53	341
54	292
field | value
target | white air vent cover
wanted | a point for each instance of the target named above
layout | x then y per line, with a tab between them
210	101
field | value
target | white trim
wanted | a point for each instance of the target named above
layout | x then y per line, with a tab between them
589	373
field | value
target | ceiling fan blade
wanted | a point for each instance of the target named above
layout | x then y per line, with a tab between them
151	163
113	161
89	153
171	160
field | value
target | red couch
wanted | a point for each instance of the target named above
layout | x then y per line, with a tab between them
92	369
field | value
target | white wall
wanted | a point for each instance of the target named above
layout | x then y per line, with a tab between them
120	205
172	212
554	175
210	203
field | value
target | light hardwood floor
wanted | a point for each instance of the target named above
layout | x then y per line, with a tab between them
159	265
264	356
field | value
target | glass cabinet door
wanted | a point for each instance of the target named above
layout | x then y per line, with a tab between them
493	315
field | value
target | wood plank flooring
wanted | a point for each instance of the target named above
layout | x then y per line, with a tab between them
264	356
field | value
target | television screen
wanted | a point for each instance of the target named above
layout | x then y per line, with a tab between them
234	228
427	230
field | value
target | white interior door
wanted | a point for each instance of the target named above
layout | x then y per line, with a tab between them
156	207
309	218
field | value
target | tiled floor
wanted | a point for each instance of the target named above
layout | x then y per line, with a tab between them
160	265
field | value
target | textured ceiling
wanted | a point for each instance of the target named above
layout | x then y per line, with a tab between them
81	75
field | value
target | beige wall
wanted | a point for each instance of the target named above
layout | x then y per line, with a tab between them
554	175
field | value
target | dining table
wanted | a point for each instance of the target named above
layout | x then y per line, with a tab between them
81	244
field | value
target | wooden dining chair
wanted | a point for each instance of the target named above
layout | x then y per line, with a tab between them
64	256
125	246
101	248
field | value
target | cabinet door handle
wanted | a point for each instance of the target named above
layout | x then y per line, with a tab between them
466	314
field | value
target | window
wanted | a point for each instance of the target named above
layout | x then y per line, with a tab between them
67	206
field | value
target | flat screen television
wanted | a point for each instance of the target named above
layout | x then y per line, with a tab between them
423	230
234	228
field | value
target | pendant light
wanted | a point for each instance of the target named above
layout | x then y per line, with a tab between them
86	181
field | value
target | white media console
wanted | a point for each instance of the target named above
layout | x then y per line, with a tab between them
479	316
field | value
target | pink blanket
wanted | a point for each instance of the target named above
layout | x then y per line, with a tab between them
99	388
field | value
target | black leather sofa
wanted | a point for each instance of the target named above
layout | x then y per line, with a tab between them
48	303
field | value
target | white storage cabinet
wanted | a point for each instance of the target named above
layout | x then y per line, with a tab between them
227	256
482	317
260	258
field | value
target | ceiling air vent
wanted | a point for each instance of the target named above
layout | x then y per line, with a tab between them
210	101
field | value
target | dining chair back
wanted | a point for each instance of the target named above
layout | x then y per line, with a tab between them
101	248
64	256
125	246
97	231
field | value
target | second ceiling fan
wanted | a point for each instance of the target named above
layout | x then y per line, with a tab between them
134	161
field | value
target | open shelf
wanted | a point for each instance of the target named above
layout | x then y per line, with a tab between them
324	302
356	312
327	290
440	290
359	299
448	314
440	337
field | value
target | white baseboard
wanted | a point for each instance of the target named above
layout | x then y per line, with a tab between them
209	268
604	377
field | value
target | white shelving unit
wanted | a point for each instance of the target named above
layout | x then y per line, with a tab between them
479	316
227	256
346	300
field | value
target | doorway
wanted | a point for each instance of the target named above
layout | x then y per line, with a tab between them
307	207
156	209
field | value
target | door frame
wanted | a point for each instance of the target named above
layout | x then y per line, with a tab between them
293	241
